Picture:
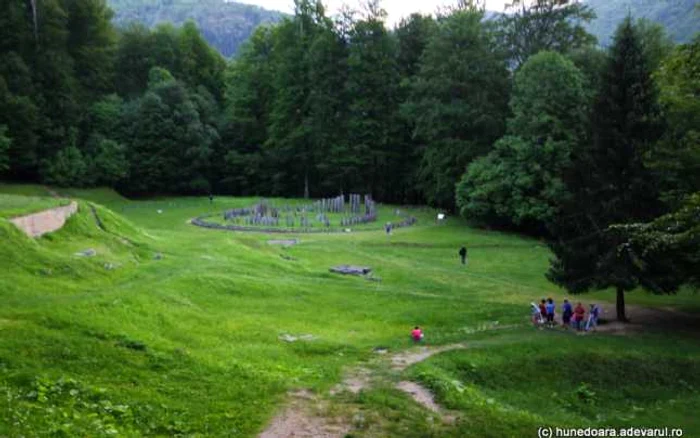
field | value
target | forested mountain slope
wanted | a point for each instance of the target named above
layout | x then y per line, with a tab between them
680	17
225	25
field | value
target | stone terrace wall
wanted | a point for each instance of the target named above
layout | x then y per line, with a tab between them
37	224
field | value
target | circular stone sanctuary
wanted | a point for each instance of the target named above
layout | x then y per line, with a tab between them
343	213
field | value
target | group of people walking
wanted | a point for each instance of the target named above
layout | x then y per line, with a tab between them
575	317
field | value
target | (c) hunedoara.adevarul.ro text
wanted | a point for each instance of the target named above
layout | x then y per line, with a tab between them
604	432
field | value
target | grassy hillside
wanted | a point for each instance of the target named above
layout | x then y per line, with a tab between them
22	199
225	25
681	18
174	330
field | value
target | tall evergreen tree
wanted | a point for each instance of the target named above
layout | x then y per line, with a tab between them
91	44
372	87
133	60
289	142
20	114
413	35
244	128
327	64
199	64
610	183
458	103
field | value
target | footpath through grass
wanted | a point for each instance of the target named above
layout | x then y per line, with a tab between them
172	329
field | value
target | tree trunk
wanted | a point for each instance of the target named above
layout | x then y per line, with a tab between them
621	305
36	23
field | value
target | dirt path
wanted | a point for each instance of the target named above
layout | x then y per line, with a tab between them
648	318
403	360
304	416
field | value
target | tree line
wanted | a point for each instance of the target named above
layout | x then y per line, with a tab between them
520	122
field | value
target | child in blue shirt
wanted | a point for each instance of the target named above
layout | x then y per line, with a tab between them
567	312
550	306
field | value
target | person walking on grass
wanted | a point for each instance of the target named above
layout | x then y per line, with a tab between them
579	313
463	254
550	307
593	315
543	309
417	334
536	316
567	311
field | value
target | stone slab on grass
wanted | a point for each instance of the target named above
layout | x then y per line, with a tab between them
38	224
351	270
283	242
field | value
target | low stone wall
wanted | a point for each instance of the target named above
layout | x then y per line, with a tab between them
37	224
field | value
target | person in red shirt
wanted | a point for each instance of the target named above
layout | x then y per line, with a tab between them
417	334
579	313
543	309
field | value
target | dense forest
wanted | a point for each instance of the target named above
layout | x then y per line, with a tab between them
522	122
225	25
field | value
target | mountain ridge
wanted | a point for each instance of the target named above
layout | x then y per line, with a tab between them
228	24
224	24
681	18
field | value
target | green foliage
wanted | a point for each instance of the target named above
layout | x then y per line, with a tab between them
666	251
91	44
244	130
553	25
458	102
20	114
610	183
413	35
655	41
312	106
328	111
5	142
289	144
170	142
67	168
200	65
372	88
521	182
676	162
183	52
110	165
158	76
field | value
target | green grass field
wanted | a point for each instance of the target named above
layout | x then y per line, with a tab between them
173	330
